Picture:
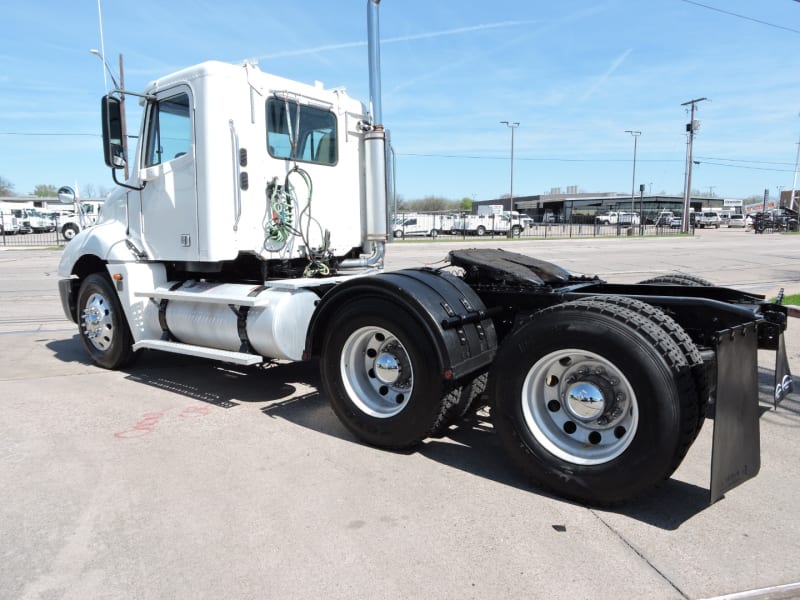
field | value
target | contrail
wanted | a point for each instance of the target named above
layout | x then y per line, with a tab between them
604	77
404	38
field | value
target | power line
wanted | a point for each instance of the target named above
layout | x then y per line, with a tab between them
28	133
745	17
706	160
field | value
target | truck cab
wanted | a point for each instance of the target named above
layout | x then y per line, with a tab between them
217	130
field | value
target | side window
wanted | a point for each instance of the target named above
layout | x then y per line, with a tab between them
169	130
313	133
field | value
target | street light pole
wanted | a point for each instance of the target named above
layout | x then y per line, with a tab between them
687	192
635	135
511	125
794	181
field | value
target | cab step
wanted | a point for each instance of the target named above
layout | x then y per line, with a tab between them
237	358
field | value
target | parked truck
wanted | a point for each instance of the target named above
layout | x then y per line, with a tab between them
85	214
253	227
618	218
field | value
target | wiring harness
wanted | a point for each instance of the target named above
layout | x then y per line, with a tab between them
284	221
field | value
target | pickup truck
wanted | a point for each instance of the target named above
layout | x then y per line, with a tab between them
618	218
708	218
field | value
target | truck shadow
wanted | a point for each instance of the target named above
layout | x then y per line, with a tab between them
290	391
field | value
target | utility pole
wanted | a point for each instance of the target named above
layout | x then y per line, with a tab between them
687	192
635	135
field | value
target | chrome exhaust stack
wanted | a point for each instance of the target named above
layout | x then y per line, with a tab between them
375	141
374	49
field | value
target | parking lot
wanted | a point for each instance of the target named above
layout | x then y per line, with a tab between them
184	478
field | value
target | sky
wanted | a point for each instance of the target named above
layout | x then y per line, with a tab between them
575	74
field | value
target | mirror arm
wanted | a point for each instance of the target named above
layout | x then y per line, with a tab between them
125	185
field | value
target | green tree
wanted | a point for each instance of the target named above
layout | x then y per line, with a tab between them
6	187
431	204
45	191
466	204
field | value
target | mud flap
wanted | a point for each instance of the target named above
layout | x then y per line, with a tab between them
784	385
736	449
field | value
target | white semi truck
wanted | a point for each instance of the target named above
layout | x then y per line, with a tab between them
85	214
253	227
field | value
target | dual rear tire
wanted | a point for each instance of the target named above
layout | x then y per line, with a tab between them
594	400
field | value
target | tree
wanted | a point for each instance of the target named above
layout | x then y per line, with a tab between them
466	204
6	187
431	204
45	191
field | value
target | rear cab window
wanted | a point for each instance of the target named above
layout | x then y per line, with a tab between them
309	136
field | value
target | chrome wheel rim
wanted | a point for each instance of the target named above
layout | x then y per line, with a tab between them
97	322
376	372
580	407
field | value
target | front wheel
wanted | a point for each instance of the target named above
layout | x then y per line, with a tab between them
103	328
592	401
69	232
481	230
377	373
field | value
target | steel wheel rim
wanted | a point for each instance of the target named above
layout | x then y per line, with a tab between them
97	322
579	406
376	372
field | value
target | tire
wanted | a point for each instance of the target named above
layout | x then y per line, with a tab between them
434	233
69	232
696	367
458	403
377	373
516	230
399	234
595	452
103	329
481	230
679	279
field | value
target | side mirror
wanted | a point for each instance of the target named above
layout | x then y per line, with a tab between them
113	154
66	195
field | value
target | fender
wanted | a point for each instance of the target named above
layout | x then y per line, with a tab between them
451	313
106	241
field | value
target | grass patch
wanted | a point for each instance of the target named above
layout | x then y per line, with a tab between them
793	299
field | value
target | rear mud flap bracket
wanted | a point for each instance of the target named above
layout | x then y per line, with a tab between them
736	449
784	385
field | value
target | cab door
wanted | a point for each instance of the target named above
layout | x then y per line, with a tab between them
169	199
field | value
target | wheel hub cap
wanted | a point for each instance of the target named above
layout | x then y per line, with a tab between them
585	401
387	368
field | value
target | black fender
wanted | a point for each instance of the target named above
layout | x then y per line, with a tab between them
461	331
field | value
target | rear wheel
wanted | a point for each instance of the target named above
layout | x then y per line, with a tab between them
593	401
481	230
377	372
457	404
103	328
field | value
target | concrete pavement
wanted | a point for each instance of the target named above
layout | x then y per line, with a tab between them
184	478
